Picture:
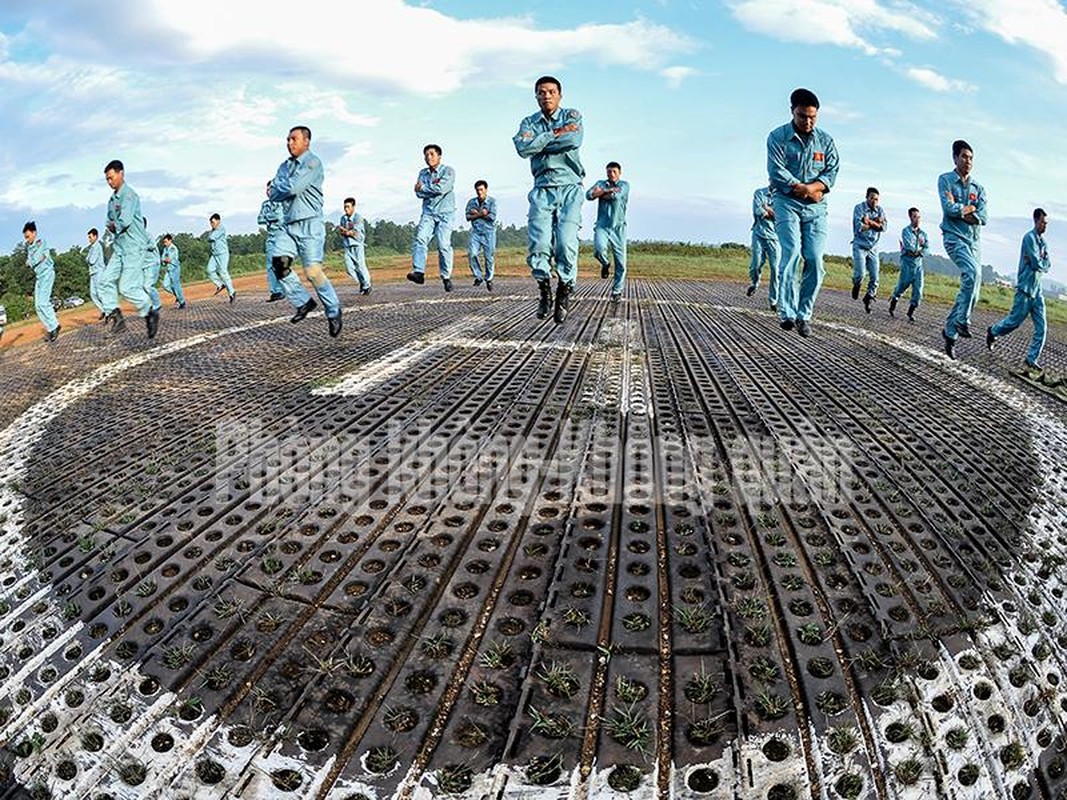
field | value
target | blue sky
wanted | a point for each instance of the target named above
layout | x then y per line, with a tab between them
196	98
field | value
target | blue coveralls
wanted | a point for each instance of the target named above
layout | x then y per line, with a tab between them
800	224
610	230
914	244
355	255
764	242
1029	299
438	209
483	237
297	185
151	273
218	263
40	261
556	198
94	259
172	278
278	245
864	241
125	271
962	243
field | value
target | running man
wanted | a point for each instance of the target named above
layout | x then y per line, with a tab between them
1029	299
550	139
764	245
94	260
124	273
914	244
297	185
802	164
172	276
218	263
963	207
610	231
481	213
40	261
353	229
434	187
868	222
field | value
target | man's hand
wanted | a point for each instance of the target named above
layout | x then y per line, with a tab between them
865	223
970	219
418	186
968	210
111	227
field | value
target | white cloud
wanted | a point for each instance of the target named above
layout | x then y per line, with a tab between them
934	80
675	75
1039	24
846	23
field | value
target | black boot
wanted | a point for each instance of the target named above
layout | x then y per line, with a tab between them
275	297
563	302
544	301
118	323
334	325
892	306
950	346
911	312
152	322
855	290
304	310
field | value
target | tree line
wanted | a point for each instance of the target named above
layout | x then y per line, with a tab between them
384	237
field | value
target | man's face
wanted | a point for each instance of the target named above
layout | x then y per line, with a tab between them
29	236
613	174
167	241
804	118
964	162
114	178
431	157
548	97
872	200
297	143
914	217
214	223
350	208
92	238
1041	224
481	191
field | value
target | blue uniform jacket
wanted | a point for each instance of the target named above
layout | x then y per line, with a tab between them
356	224
914	244
219	245
124	210
298	187
94	258
38	257
554	159
611	207
868	238
1033	263
436	192
481	224
955	194
762	225
792	159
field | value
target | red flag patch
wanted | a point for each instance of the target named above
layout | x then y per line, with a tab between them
973	197
818	157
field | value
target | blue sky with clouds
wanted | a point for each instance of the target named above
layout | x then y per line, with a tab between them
196	98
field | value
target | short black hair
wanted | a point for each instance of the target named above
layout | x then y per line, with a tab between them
615	165
114	164
436	147
214	216
912	210
30	226
94	232
1039	213
802	98
480	182
548	79
348	200
873	190
167	236
304	129
959	146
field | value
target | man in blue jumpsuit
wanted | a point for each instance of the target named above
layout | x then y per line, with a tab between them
481	213
172	275
550	139
218	263
281	249
914	244
963	207
764	244
297	185
868	222
610	231
152	264
802	164
40	261
434	187
124	273
353	230
94	260
1029	299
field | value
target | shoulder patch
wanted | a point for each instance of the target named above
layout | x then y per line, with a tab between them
573	114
